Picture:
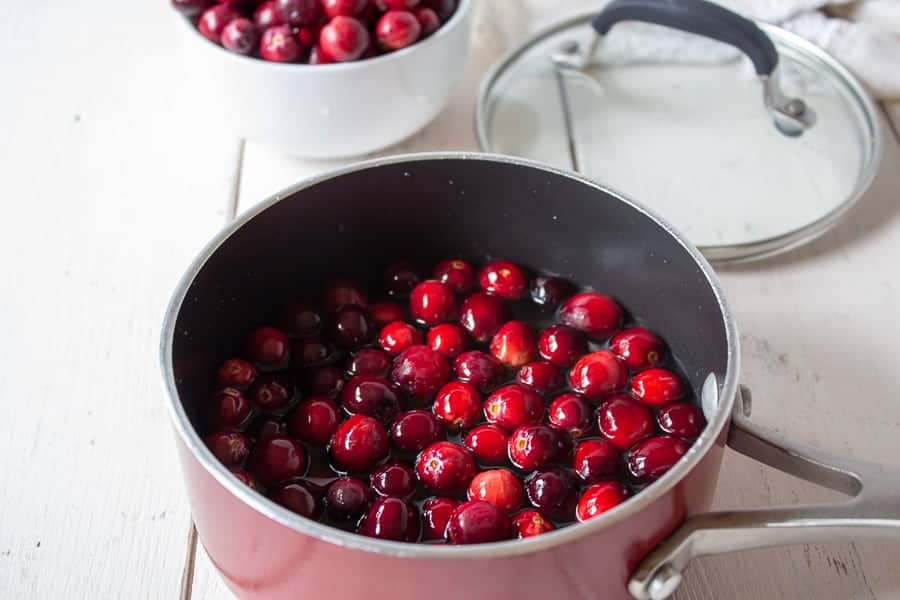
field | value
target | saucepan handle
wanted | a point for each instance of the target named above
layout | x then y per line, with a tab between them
872	512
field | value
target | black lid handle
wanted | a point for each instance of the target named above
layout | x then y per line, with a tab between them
699	17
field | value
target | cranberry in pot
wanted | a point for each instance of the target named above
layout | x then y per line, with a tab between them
443	8
499	487
267	347
397	336
681	419
435	516
236	373
457	405
428	19
553	492
317	56
229	408
513	405
395	479
624	421
400	279
321	381
191	8
342	292
652	458
272	392
359	444
596	314
550	292
657	386
570	413
275	459
482	316
445	467
311	352
561	345
478	522
373	396
598	374
478	368
599	498
515	344
432	302
397	29
266	426
385	5
415	430
231	448
488	443
278	44
504	279
368	361
542	376
638	347
352	328
383	313
297	12
244	477
300	320
345	8
596	459
347	499
297	497
534	446
213	21
392	519
448	339
458	274
240	36
265	15
314	421
420	371
530	523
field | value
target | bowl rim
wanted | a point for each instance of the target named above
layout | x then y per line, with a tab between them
260	503
460	15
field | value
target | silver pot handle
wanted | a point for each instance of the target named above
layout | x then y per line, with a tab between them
872	512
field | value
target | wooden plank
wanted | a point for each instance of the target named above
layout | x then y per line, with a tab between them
109	190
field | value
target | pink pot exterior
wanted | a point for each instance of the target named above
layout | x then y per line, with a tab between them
260	558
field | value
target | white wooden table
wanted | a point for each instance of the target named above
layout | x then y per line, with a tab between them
110	188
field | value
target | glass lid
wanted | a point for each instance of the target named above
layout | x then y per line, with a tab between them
746	138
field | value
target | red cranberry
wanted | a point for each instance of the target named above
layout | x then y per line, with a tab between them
598	374
638	347
373	396
272	392
268	347
229	408
445	467
515	344
297	12
550	292
681	420
236	373
385	5
383	313
352	328
213	21
657	386
420	371
369	361
322	381
534	446
345	8
395	479
432	302
311	352
448	339
359	444
314	421
542	376
457	274
400	279
278	44
553	492
392	519
624	421
499	487
240	36
231	448
428	19
415	430
318	57
342	292
482	316
297	497
572	414
435	515
244	477
308	36
277	458
596	314
398	336
347	499
478	368
266	426
488	443
504	279
513	405
344	39
191	8
457	405
652	458
562	345
443	8
299	320
397	29
266	16
478	522
595	460
530	523
599	498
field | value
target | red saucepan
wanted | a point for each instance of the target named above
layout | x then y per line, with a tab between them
357	220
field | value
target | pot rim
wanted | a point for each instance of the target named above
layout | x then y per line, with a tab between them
255	500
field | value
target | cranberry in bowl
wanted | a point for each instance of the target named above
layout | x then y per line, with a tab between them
323	78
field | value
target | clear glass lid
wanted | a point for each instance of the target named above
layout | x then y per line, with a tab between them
744	162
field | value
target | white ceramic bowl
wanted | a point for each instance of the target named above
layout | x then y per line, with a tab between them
334	110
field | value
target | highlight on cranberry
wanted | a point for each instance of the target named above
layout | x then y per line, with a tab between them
316	32
453	410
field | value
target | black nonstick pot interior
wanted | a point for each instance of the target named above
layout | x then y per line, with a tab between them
428	208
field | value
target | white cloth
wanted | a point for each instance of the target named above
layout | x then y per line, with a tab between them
864	35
